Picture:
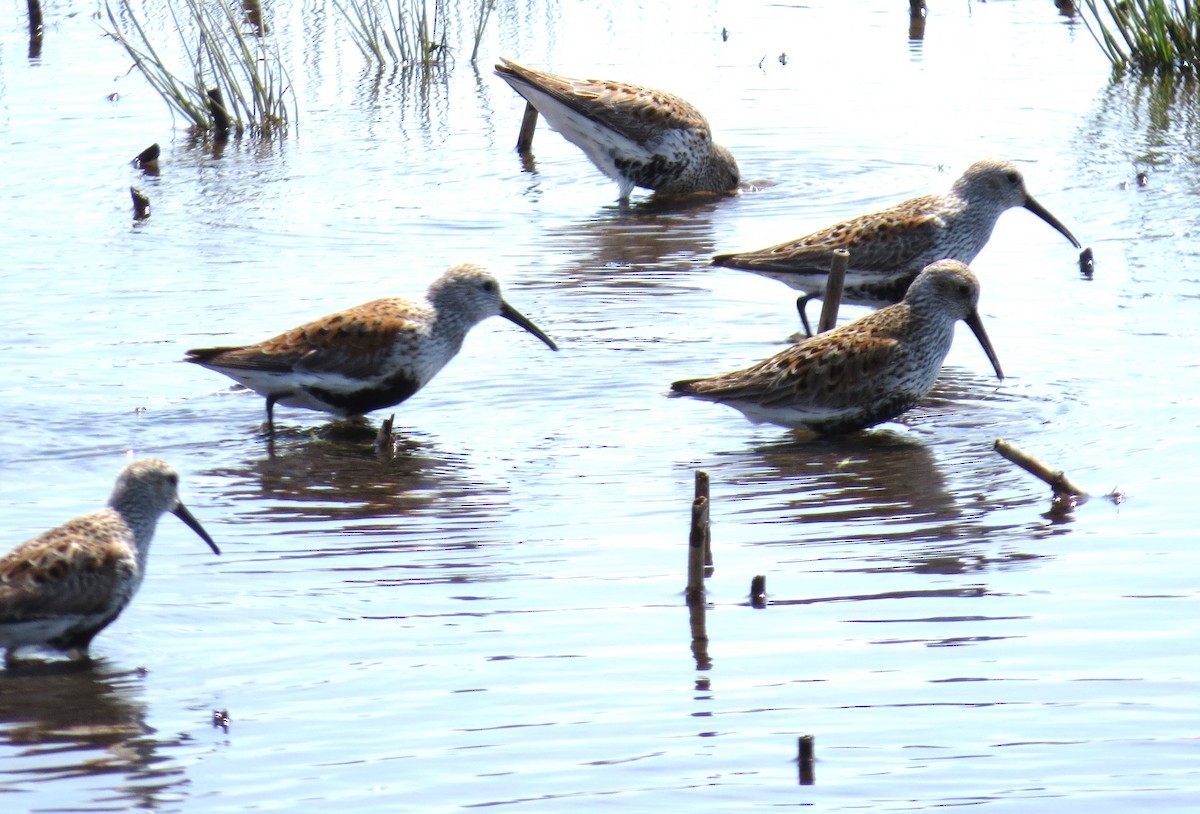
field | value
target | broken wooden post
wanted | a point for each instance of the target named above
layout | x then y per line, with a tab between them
703	491
758	591
147	156
36	29
916	19
805	760
832	298
1087	263
141	204
697	613
385	439
528	125
695	584
220	117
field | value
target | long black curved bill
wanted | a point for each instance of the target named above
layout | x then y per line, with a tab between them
976	325
183	514
1043	213
513	315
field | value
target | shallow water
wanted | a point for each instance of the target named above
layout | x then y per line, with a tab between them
495	616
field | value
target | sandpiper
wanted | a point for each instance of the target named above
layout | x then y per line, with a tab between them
889	248
61	588
862	373
370	356
639	137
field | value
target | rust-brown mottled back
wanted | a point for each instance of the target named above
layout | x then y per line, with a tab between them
73	569
638	113
355	342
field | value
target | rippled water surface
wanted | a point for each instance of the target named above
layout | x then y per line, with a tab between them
495	616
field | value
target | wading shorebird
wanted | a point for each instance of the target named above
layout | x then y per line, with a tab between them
371	356
889	248
862	373
58	590
639	137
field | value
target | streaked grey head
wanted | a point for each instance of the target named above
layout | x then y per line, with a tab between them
469	294
728	174
999	185
149	487
950	288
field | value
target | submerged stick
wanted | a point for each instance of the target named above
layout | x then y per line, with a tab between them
1056	479
385	439
916	19
528	125
147	160
36	29
833	290
141	204
697	620
805	760
758	591
254	16
1087	263
695	584
216	110
702	491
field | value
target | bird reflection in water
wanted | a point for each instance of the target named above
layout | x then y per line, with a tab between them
878	478
332	475
878	488
653	235
76	719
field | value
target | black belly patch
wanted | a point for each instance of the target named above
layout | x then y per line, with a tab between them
80	636
652	174
387	393
869	416
886	289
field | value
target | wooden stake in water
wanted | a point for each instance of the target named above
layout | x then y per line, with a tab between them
254	16
702	491
916	19
147	156
805	760
695	585
385	439
528	125
36	29
141	204
218	114
697	619
833	290
758	591
1056	479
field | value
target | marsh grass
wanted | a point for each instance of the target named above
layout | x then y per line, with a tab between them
482	12
409	32
229	62
399	31
1148	35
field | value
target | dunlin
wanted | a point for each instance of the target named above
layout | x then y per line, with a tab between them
889	248
61	588
637	136
371	356
862	373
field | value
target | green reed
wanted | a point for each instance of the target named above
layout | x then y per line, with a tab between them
1149	35
408	32
482	12
229	62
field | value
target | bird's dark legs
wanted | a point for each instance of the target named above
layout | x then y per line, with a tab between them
270	425
801	304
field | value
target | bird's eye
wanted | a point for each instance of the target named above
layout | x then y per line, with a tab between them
1013	177
489	286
